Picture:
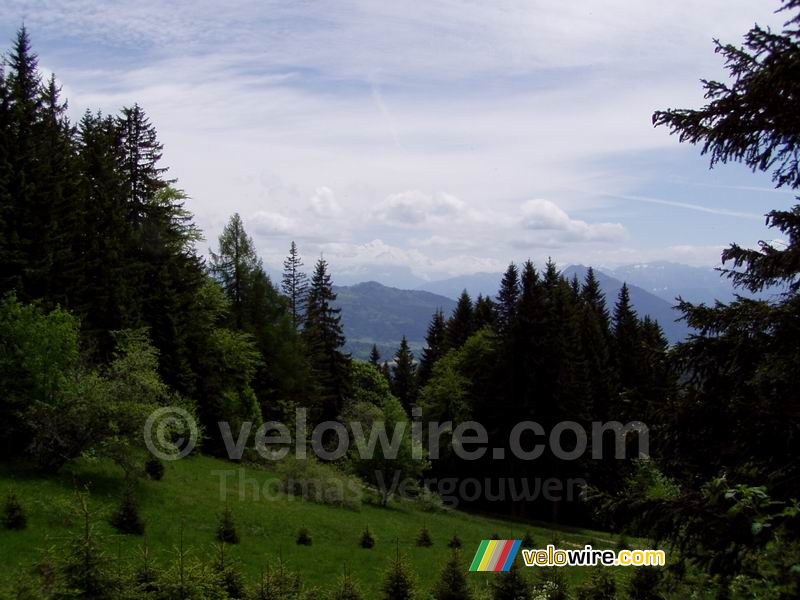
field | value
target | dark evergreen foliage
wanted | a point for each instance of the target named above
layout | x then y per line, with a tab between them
126	519
403	383
295	284
14	515
452	584
154	468
367	539
227	531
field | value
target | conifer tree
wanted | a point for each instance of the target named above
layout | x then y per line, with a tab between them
508	297
375	357
461	323
399	582
434	347
235	265
295	284
403	378
452	583
485	312
324	339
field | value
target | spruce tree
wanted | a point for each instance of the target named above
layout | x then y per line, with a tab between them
434	347
295	284
375	357
461	323
324	339
485	312
508	297
403	378
399	582
452	584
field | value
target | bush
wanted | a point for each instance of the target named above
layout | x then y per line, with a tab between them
304	537
452	584
126	519
455	542
495	536
367	539
154	469
424	539
313	481
14	516
226	528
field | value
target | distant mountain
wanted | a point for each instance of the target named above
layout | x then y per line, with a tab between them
643	302
478	283
669	280
388	275
375	313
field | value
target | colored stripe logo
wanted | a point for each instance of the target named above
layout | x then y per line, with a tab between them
495	555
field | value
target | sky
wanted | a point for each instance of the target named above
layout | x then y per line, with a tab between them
423	140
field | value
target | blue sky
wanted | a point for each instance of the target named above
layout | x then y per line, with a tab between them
445	137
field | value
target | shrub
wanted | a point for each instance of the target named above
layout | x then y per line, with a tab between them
367	539
154	469
313	481
424	539
495	536
126	518
304	537
226	528
452	584
14	516
455	542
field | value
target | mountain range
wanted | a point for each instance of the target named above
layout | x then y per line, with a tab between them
374	313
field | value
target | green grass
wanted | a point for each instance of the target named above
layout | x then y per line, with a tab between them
190	492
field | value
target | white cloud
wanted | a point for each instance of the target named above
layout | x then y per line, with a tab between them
324	203
267	108
546	216
415	208
266	223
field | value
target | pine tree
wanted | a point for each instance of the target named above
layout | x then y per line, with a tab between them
375	357
295	284
403	379
399	582
461	323
507	298
452	584
324	339
434	347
